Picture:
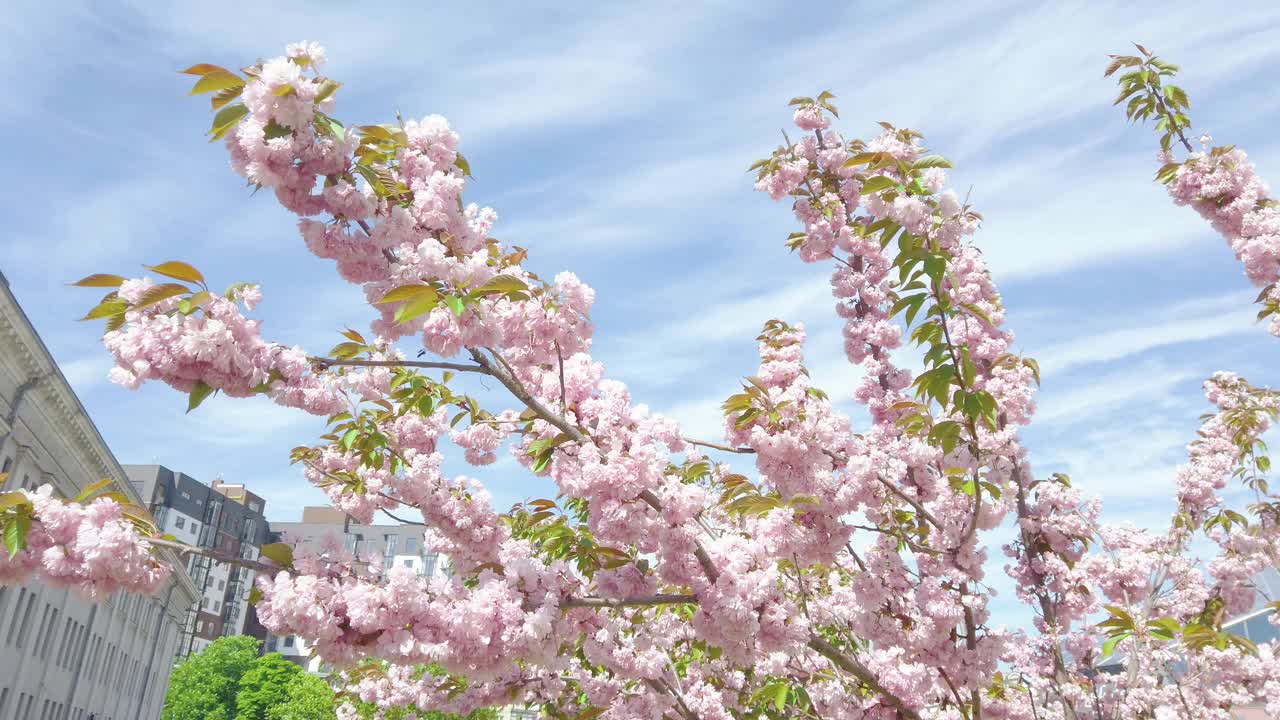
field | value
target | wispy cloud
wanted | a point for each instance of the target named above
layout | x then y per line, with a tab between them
86	372
1149	385
1193	321
239	422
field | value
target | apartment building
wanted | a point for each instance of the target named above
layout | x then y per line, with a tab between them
223	517
61	656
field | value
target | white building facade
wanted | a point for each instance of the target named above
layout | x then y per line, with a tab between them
61	656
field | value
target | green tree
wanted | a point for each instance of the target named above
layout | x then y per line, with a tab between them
265	686
204	686
310	698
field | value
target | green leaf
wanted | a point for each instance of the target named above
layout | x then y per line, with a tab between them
12	499
349	438
226	119
455	304
189	305
1035	368
255	595
1110	645
92	490
406	292
328	124
501	284
198	395
15	533
540	463
931	161
877	184
179	270
780	696
99	280
222	97
203	69
424	303
275	130
1164	628
463	165
279	553
215	80
107	308
160	293
327	88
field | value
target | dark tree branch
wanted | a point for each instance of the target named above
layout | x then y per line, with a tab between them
862	673
457	367
645	601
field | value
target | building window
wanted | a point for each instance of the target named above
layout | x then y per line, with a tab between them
288	642
222	584
217	606
185	495
408	562
255	506
195	527
204	603
429	564
179	521
411	546
349	542
389	541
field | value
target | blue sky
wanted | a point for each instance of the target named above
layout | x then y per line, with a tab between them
612	139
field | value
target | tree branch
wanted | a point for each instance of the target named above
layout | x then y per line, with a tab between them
184	549
401	520
564	405
699	552
862	673
641	601
335	362
516	388
718	446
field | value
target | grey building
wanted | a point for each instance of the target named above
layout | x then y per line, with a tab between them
223	517
61	656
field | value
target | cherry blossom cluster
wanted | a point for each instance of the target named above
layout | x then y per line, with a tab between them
1222	185
93	548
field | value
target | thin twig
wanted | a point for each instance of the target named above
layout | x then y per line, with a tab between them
643	601
718	446
564	406
401	520
221	557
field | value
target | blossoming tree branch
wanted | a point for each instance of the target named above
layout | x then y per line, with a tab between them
843	576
